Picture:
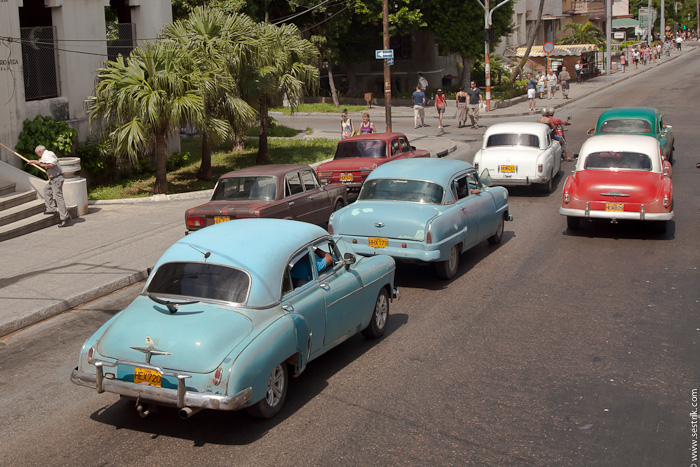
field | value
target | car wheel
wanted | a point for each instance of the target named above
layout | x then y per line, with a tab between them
380	316
276	393
498	236
448	269
573	223
549	186
338	205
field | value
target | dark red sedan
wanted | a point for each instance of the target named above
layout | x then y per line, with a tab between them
283	191
357	156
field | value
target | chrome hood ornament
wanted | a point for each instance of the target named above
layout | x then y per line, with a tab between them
150	350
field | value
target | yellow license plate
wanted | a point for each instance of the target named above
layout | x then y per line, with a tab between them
508	169
346	178
146	376
219	219
615	207
375	242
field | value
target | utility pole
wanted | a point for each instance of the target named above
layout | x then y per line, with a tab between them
662	25
488	20
387	70
608	34
650	24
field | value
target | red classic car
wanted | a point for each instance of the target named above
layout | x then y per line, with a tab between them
284	191
619	177
357	156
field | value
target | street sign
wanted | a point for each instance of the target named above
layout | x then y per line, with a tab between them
548	47
389	61
382	54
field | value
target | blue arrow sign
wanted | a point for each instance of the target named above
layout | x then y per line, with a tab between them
389	61
382	54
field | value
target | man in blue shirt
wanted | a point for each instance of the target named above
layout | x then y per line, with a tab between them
418	107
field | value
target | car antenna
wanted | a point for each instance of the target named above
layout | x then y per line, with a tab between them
206	254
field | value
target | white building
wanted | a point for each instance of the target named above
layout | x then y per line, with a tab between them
50	51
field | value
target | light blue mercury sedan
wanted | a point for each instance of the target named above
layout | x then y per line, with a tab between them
229	311
428	210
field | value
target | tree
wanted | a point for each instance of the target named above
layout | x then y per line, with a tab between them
146	96
458	28
585	33
530	40
216	44
282	67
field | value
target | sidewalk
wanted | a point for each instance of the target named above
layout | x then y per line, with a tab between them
45	273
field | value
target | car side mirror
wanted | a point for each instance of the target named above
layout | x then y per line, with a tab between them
485	178
349	259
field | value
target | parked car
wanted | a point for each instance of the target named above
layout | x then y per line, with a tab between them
229	311
283	191
357	156
637	121
520	153
426	210
619	177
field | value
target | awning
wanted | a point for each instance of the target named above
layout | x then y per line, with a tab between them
559	50
623	23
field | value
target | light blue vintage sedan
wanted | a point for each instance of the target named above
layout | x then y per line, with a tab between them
428	210
230	310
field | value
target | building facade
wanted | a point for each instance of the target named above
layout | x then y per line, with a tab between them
51	50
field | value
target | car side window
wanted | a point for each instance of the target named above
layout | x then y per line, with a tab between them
326	246
461	187
293	185
309	180
299	272
405	147
395	147
472	181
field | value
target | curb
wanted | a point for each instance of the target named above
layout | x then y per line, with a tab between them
72	302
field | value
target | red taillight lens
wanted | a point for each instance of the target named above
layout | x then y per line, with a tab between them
539	168
217	376
91	353
195	221
429	238
476	165
566	198
324	174
330	228
667	202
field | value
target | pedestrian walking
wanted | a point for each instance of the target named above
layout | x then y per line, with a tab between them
540	84
635	58
474	94
440	105
578	68
418	107
679	41
423	83
53	191
531	87
347	128
367	127
461	100
564	78
623	61
551	84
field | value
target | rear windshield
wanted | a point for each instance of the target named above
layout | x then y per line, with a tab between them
625	125
402	190
257	188
618	160
352	149
512	139
201	280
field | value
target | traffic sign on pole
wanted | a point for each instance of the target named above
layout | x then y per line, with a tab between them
548	47
389	61
382	54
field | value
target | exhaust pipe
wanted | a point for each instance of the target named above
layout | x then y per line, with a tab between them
143	411
187	412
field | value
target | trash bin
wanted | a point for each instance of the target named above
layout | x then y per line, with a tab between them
368	99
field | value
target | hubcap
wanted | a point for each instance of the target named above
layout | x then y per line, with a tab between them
275	386
499	232
380	311
452	262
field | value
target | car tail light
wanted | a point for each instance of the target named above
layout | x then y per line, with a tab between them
354	240
429	238
195	221
91	353
324	174
667	202
217	376
476	165
566	198
403	245
330	228
539	168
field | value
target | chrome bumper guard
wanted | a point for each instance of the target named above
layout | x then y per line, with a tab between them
179	397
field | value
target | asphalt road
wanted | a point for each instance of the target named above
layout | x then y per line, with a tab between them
551	348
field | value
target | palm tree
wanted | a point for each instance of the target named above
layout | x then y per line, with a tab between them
217	43
284	66
146	95
585	33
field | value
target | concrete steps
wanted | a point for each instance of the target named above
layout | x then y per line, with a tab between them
23	212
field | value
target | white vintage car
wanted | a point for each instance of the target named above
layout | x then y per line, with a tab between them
520	153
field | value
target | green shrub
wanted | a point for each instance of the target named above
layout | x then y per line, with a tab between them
177	160
56	136
97	159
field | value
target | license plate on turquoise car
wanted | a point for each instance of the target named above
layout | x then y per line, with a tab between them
615	207
146	376
376	242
